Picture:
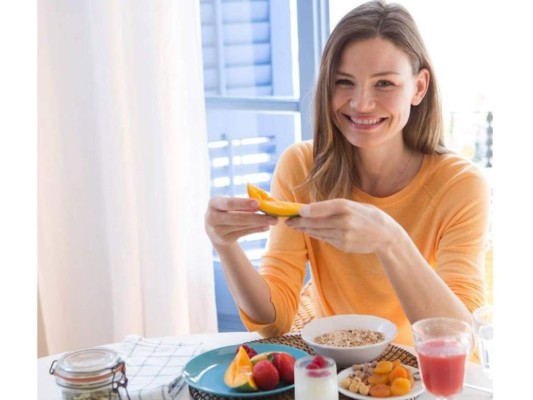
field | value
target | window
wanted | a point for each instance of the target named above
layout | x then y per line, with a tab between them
258	79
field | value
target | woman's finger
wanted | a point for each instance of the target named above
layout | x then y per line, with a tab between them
321	234
242	219
333	222
233	204
326	208
234	235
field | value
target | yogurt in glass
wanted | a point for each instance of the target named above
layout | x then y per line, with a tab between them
315	378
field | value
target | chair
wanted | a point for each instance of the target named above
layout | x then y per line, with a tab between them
306	309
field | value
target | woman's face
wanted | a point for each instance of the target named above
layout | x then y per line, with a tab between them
374	89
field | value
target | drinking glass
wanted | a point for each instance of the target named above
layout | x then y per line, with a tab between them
316	383
442	346
483	330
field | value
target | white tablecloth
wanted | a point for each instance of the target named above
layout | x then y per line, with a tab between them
48	390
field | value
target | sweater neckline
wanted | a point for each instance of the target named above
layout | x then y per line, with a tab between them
415	183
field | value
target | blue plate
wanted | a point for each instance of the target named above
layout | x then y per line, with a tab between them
206	371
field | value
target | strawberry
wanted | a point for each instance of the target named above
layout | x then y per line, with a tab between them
265	375
317	363
285	365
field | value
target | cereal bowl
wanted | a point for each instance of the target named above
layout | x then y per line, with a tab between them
362	337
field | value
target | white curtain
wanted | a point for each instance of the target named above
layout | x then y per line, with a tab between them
123	177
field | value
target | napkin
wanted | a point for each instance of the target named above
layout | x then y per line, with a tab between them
154	367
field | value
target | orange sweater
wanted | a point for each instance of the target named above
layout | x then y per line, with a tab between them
444	209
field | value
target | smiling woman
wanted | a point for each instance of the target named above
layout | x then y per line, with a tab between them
394	224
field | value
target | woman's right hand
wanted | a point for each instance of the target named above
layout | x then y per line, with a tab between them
229	218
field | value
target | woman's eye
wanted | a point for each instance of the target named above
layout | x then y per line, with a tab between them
384	83
343	82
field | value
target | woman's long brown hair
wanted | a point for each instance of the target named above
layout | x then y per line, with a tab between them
334	169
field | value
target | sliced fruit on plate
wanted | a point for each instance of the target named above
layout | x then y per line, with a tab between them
267	355
284	363
272	206
250	350
265	375
239	373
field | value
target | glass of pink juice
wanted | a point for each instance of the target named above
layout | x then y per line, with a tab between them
442	346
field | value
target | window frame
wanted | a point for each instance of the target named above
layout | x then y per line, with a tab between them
312	33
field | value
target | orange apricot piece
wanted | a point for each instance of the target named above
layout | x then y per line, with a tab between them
383	367
400	386
396	363
377	379
381	390
398	372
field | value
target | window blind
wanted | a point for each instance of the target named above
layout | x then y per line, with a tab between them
236	47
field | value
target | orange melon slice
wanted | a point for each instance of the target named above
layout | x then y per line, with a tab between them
239	373
272	206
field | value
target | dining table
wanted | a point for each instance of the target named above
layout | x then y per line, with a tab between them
477	385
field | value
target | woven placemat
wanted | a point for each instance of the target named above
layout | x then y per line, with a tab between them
392	352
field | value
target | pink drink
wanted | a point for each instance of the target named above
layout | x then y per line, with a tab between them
442	363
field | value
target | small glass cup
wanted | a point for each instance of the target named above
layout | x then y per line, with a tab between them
315	383
442	346
483	328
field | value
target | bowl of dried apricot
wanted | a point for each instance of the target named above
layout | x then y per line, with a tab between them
349	339
384	378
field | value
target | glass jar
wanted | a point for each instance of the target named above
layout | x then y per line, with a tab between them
90	374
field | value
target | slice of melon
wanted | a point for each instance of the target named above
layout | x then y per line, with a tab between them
239	373
272	206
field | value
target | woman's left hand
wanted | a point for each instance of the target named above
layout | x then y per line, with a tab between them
348	225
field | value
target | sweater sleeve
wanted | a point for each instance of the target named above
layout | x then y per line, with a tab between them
461	244
284	262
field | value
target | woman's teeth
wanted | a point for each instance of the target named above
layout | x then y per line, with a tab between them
365	121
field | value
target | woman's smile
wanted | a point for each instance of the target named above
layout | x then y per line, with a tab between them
364	123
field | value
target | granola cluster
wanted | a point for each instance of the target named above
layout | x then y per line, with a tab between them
350	338
357	381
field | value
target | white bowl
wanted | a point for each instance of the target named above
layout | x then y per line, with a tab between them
347	356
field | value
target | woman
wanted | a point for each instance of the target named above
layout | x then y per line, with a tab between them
395	224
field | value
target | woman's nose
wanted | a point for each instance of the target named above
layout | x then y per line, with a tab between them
362	100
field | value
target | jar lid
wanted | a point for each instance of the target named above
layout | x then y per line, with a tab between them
88	365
